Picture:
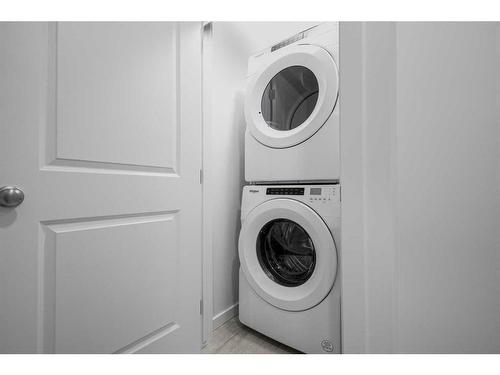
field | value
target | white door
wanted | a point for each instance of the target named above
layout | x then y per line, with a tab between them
100	127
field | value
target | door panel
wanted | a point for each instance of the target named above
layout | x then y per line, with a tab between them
103	135
113	77
117	311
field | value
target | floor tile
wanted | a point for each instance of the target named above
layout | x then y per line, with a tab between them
235	338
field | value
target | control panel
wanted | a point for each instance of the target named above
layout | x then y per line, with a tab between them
322	194
317	196
285	191
315	193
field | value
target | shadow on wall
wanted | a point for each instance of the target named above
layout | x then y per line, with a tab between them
236	41
229	180
239	128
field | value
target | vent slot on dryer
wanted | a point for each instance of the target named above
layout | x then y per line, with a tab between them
290	40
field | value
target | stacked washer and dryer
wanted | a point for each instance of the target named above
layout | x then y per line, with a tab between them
289	284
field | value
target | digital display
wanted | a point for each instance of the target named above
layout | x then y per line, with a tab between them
315	191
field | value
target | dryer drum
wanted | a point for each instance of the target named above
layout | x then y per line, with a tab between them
286	252
289	98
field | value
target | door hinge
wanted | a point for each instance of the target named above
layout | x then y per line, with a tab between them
201	307
201	176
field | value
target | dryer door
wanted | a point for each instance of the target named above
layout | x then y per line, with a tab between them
291	98
288	254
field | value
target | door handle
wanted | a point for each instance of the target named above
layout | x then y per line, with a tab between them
11	196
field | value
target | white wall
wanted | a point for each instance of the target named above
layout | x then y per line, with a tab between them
232	44
420	154
448	192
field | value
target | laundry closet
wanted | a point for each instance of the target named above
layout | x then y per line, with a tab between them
288	93
418	125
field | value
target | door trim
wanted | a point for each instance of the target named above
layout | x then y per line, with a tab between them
207	209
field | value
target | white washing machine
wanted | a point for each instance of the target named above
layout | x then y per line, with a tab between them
292	111
289	275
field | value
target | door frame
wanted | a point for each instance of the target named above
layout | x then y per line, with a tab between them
368	139
206	303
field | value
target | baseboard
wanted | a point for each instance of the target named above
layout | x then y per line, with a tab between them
224	316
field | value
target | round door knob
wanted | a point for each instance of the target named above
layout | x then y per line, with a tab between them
11	196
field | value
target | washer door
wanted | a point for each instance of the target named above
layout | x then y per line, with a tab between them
288	254
292	97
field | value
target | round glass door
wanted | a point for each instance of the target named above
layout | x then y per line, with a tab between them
289	98
286	252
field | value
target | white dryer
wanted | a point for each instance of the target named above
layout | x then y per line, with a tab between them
289	284
292	111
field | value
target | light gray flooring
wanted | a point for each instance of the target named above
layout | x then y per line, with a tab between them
235	338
